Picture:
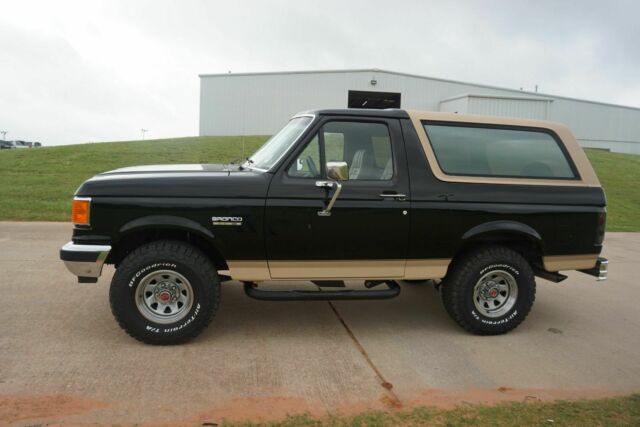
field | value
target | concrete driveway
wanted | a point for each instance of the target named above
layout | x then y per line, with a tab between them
63	358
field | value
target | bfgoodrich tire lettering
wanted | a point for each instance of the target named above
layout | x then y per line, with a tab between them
489	291
177	275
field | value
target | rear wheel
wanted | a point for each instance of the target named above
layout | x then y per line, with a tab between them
165	292
489	291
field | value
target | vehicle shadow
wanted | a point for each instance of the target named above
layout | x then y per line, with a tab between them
417	307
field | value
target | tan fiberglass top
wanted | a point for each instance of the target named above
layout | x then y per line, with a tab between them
588	177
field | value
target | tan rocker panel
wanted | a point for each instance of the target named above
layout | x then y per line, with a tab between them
257	270
426	268
338	269
249	271
588	177
569	262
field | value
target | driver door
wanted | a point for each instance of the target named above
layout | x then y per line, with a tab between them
366	233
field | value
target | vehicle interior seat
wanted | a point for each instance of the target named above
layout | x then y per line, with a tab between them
363	166
387	173
356	164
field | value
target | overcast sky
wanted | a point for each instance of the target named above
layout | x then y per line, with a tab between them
89	71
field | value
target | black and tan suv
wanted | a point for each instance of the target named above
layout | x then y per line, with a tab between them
480	204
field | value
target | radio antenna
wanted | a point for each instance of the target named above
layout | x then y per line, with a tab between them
244	122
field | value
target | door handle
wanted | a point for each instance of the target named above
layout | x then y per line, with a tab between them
395	196
329	184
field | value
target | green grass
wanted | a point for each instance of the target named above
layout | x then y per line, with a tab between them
620	176
621	411
38	184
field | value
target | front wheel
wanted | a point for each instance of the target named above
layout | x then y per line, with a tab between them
165	292
489	291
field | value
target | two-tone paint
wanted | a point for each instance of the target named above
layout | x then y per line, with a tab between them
557	224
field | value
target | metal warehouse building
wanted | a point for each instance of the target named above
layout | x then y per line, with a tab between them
260	103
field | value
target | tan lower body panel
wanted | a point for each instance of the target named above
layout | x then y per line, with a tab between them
569	262
260	270
426	268
249	271
338	269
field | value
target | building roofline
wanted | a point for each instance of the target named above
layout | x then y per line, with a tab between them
262	73
480	95
378	70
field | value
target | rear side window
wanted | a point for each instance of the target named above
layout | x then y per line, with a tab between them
498	152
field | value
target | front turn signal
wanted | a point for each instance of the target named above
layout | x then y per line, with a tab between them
80	210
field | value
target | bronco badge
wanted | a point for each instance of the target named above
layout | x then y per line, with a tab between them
226	220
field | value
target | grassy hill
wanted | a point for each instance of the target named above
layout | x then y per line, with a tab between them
620	175
38	184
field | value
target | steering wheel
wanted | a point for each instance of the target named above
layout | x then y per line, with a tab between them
312	166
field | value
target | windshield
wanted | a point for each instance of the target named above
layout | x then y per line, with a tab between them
278	144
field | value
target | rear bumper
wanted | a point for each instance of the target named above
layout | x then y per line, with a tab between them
84	261
600	270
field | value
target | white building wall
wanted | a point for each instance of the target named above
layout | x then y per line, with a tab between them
510	107
528	108
235	104
458	104
600	125
259	104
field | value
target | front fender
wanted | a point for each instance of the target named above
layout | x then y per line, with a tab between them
165	221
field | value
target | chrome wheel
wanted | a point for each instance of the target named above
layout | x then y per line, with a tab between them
495	293
164	296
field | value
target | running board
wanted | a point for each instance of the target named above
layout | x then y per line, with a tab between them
550	276
299	295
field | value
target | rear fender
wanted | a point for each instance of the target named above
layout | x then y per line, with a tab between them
502	228
516	235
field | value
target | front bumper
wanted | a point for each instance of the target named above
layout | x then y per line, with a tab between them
84	261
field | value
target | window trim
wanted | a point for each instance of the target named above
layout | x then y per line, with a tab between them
296	155
318	132
576	174
274	167
416	134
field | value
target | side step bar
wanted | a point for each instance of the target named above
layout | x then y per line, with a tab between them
550	276
252	291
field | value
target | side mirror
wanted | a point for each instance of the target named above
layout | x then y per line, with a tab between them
338	171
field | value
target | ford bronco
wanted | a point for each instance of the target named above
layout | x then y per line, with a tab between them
481	205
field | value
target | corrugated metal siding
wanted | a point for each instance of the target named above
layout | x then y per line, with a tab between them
505	107
262	103
498	106
458	105
598	122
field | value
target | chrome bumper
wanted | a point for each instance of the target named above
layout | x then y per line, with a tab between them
84	261
600	270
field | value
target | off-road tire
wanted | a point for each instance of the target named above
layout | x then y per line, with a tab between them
466	272
186	260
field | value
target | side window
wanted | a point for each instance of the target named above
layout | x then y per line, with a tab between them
307	165
366	147
497	152
334	147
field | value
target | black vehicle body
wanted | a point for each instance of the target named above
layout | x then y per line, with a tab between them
258	225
